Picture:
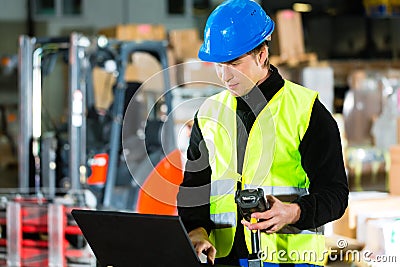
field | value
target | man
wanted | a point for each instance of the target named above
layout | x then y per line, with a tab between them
262	132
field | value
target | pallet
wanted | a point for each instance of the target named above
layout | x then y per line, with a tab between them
40	233
306	58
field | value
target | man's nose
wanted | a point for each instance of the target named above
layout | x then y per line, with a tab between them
226	73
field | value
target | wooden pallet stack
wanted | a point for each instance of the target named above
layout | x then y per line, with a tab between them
289	38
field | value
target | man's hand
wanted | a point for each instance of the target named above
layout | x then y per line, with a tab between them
275	218
202	244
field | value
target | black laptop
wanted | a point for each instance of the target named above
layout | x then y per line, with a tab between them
122	239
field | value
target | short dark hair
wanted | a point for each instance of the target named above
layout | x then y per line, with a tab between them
257	50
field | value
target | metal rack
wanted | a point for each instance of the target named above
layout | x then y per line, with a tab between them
30	76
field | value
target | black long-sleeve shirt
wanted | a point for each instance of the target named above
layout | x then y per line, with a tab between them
321	158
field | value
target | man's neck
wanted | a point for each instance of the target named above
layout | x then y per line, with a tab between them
265	77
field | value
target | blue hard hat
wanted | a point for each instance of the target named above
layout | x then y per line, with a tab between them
234	28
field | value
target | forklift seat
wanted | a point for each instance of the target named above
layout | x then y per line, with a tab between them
159	191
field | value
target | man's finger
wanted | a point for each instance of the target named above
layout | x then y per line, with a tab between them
211	255
201	247
271	199
266	215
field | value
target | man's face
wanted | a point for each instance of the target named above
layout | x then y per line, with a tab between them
242	74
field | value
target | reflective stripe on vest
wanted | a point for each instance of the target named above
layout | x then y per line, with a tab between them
281	190
223	187
272	161
224	220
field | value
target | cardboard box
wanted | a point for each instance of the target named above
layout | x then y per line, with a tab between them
366	217
185	43
382	238
342	226
290	34
146	69
129	32
361	204
142	67
198	74
394	170
103	82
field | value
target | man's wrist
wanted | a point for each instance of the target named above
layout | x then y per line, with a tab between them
198	231
296	212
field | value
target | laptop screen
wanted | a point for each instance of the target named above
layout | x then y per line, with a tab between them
130	239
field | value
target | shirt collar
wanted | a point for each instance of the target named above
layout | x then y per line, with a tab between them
262	93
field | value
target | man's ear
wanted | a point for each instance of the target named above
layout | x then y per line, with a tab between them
262	55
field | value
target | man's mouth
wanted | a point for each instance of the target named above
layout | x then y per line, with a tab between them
233	86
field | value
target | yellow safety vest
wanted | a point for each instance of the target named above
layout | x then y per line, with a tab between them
272	161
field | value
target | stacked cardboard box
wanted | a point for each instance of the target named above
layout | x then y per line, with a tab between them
363	208
143	68
191	72
129	32
198	74
185	43
394	170
289	37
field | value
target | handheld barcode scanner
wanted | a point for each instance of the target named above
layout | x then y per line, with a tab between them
249	201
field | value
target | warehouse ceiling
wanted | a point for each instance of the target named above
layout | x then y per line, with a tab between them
319	7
